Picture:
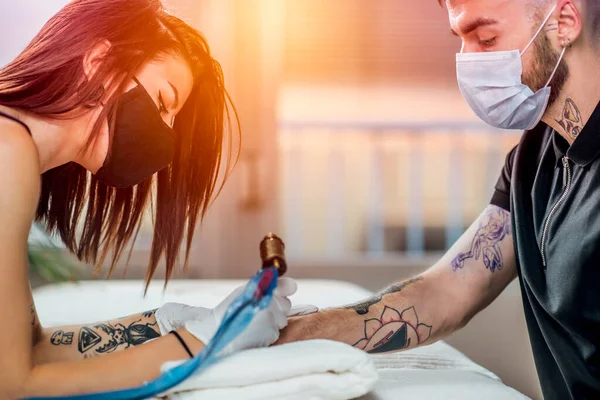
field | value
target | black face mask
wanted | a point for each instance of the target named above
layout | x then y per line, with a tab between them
141	143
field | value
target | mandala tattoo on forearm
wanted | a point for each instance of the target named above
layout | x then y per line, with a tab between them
106	337
571	119
362	307
494	226
393	331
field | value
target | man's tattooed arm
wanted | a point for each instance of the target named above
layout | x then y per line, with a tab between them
571	121
428	307
379	324
86	341
363	307
494	226
393	331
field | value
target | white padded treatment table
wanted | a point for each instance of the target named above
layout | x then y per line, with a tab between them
431	372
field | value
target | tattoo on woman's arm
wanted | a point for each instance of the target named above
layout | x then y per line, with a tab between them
61	337
149	314
33	313
35	324
362	307
494	226
393	331
571	119
106	337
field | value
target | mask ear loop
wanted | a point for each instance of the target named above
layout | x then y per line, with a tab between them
539	29
562	53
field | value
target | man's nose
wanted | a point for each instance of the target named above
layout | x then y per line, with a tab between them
470	48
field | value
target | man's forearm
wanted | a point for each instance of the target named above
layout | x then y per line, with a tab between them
70	343
391	321
403	316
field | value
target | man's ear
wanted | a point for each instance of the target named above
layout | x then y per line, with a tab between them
569	22
94	57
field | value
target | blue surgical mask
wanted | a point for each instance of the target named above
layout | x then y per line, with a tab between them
491	84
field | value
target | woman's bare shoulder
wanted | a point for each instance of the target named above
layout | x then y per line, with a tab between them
15	138
19	168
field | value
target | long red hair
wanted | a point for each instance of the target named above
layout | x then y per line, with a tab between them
48	79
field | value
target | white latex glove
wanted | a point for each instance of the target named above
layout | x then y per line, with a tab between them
262	331
303	310
264	328
173	316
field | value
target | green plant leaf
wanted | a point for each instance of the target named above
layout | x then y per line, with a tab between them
49	261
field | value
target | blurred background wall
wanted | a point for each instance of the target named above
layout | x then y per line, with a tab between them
357	148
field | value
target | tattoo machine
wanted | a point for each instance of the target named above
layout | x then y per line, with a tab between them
256	297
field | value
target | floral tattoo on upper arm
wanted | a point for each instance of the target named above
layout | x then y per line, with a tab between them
494	226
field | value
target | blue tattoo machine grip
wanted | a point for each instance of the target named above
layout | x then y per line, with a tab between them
256	297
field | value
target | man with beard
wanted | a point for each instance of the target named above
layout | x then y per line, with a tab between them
531	65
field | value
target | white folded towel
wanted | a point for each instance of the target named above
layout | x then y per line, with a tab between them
438	356
437	371
308	370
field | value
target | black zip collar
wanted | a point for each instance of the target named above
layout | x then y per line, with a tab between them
561	147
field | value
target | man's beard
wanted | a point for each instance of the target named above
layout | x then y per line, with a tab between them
544	61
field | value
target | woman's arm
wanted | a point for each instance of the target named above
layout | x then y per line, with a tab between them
119	370
19	376
77	342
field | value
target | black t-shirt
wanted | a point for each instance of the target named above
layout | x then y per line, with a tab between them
553	193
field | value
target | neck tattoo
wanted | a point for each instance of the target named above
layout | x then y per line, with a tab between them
570	120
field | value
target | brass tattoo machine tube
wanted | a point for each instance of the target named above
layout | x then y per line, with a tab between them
272	253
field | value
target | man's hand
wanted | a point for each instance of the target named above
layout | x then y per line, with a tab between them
327	324
299	328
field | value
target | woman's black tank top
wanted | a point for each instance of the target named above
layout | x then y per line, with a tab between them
16	120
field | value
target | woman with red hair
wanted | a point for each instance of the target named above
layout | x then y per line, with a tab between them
114	101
